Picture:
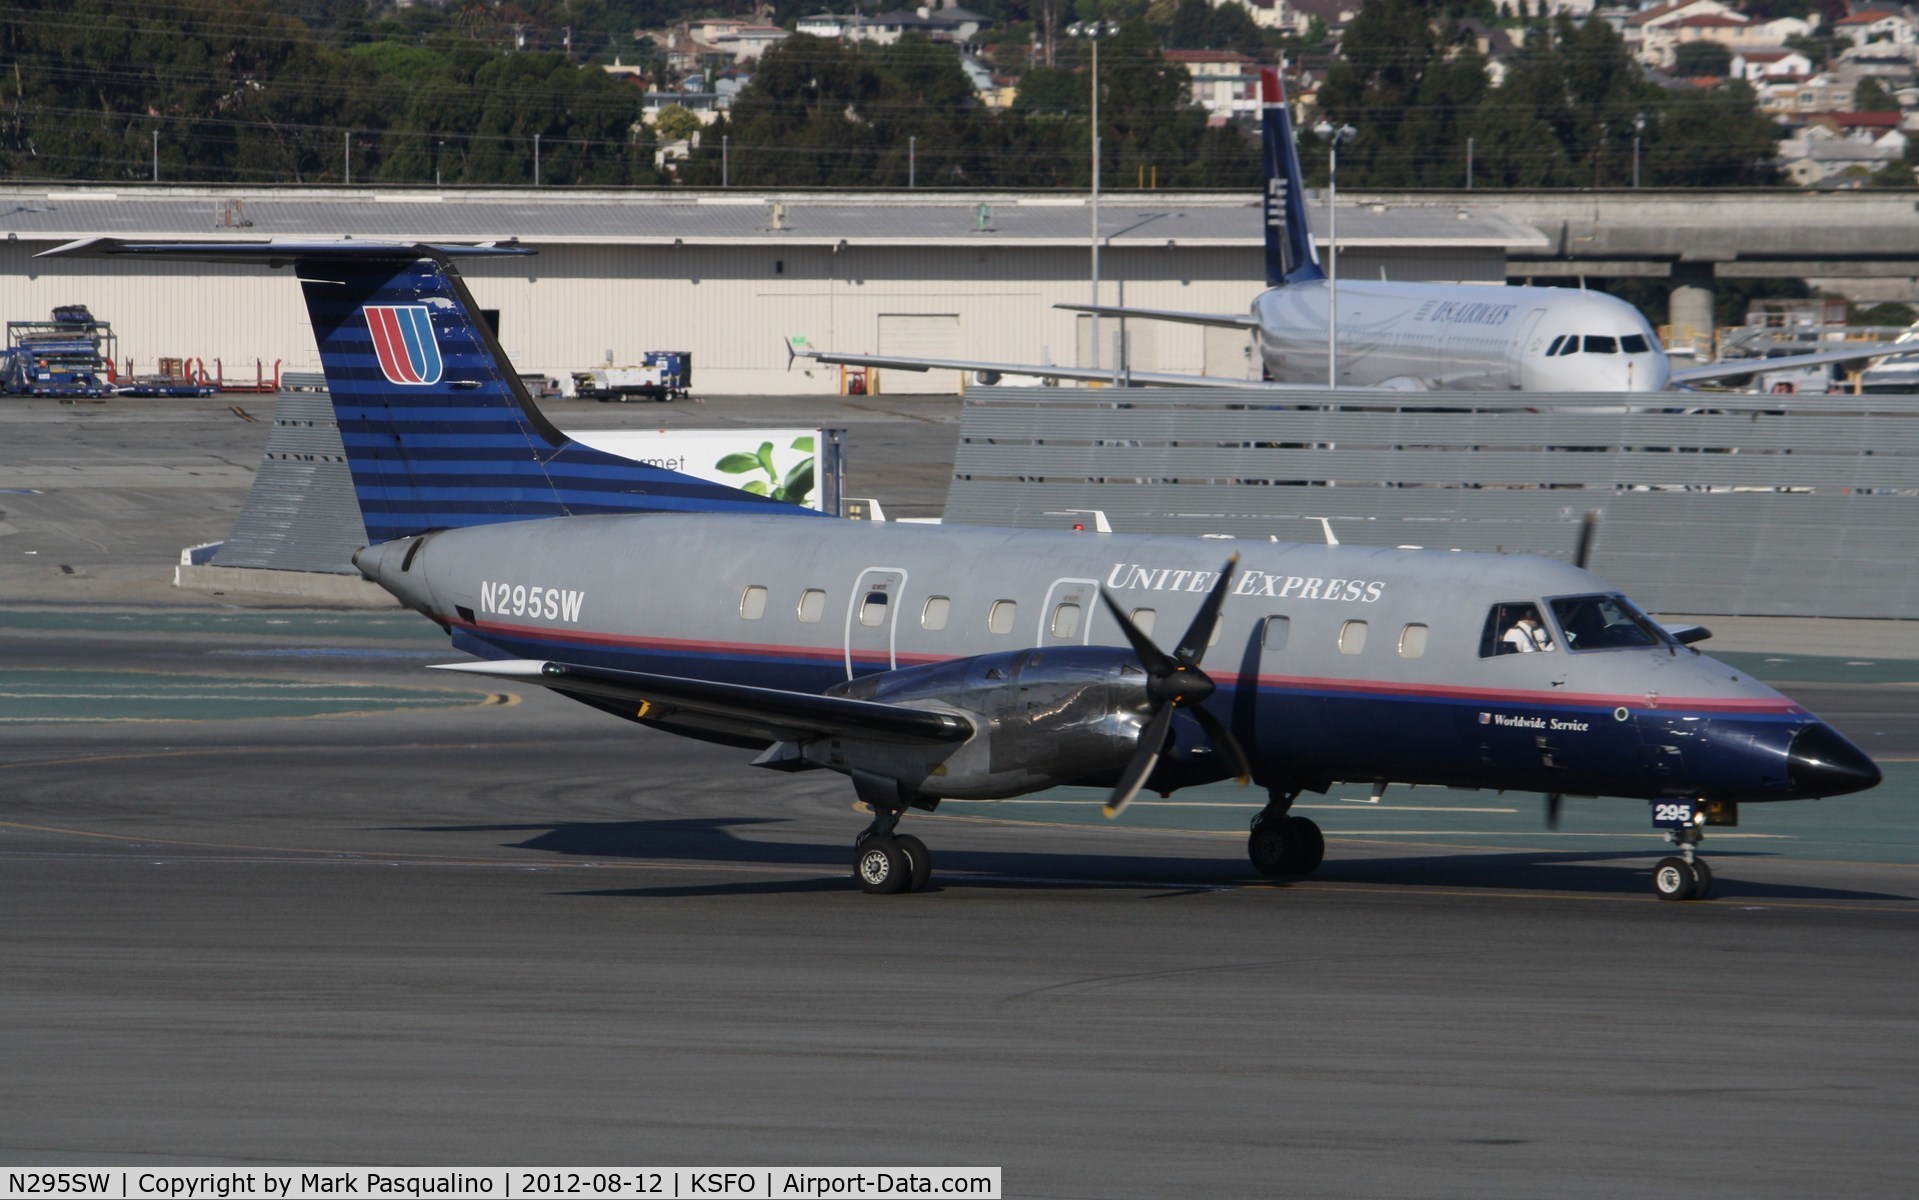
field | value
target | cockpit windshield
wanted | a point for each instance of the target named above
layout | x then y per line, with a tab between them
1605	623
1573	343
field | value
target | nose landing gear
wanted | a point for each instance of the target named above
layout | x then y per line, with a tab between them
1682	876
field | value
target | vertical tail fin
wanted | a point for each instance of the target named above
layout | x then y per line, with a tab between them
1290	254
438	429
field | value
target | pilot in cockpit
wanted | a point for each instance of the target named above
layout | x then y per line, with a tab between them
1526	634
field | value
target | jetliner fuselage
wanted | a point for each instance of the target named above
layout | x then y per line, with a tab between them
1437	336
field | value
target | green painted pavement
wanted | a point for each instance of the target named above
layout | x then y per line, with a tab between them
290	625
1877	826
1806	668
29	697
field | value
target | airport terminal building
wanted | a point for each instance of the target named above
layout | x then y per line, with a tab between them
730	275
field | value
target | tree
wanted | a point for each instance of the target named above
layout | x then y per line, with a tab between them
1872	96
676	123
1696	59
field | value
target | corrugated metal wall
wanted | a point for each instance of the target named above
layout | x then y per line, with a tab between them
1710	504
733	306
302	514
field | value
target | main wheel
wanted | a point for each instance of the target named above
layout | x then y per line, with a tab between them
1704	887
921	860
1674	879
1309	843
880	867
1271	847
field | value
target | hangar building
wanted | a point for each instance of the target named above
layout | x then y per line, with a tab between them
729	275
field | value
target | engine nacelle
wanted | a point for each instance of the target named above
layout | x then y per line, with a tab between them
1041	717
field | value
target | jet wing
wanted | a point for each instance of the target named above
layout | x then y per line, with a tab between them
1222	320
1044	370
767	712
1733	368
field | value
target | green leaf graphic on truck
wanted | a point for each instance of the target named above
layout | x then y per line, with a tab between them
794	487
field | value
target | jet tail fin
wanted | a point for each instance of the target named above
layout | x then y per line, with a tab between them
439	431
1290	254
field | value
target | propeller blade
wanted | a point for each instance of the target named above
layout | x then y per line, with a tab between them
1588	530
1157	665
1193	645
1223	740
1152	740
1552	809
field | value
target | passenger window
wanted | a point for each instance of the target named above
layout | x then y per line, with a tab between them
1601	345
1143	619
873	609
1277	629
812	605
1634	343
1554	348
1000	619
1066	620
1352	637
1514	628
1412	641
753	603
933	616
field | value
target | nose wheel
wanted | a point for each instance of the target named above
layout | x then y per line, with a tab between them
1682	876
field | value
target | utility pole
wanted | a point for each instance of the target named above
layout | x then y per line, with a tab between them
912	161
725	170
1095	326
156	155
349	158
536	160
1334	136
1469	164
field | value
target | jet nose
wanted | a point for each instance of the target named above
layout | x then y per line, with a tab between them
1822	763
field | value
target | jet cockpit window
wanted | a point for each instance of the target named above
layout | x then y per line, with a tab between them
1634	343
1514	627
1569	344
1601	345
1605	623
1557	343
873	609
753	603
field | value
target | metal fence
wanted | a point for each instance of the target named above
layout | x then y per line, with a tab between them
1710	503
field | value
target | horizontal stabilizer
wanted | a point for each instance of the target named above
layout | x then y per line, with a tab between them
278	253
772	713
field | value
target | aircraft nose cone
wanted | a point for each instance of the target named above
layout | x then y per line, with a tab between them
1822	763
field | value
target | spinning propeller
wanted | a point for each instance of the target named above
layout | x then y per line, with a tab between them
1172	681
1582	554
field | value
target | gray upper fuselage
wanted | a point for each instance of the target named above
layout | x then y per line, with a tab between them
1450	336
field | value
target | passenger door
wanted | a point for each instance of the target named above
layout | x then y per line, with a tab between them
872	620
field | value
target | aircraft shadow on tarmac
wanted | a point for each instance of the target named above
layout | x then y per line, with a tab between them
694	840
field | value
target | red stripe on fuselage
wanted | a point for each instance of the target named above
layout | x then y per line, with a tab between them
1359	687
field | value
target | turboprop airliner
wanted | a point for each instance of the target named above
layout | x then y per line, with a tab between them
927	663
1396	336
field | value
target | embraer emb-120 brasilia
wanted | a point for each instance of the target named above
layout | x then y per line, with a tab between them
1392	335
928	663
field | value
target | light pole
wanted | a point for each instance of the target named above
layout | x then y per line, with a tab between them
1333	135
1638	128
536	160
438	154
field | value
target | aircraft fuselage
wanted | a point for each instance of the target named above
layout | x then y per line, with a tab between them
1333	663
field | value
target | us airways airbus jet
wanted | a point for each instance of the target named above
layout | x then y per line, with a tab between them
1401	336
927	663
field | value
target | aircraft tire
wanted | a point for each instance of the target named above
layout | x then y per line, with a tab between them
1704	887
1309	845
1270	846
880	867
921	860
1674	878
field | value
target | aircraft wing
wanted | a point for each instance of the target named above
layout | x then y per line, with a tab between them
768	712
1222	320
1044	370
1733	368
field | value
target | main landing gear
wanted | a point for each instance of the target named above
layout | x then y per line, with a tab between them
1682	876
884	861
1281	844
